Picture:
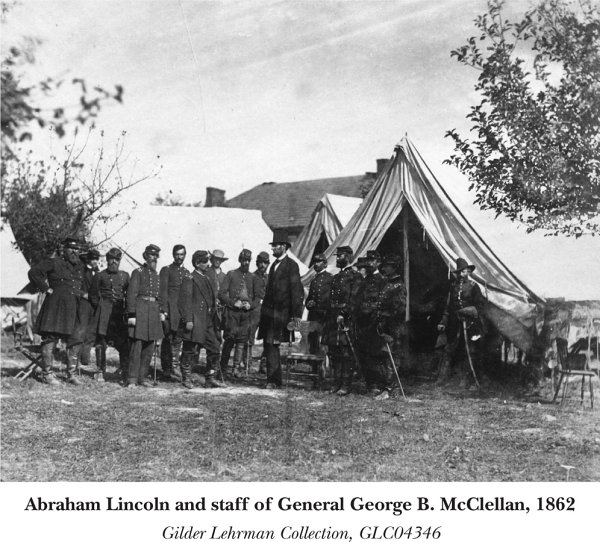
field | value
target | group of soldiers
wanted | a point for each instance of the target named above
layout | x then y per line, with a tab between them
357	315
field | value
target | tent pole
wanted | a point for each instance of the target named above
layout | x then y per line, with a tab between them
406	263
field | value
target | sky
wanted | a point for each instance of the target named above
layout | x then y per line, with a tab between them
231	94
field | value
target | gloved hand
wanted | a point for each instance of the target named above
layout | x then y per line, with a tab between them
388	339
163	316
310	304
441	327
238	304
189	326
340	320
246	306
131	322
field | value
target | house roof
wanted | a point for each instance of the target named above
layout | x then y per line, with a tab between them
290	205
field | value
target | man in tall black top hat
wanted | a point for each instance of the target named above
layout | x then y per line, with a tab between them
282	303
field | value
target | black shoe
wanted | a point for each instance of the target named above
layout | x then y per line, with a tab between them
187	384
343	391
335	388
147	384
212	383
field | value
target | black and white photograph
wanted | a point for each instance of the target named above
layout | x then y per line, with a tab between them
301	241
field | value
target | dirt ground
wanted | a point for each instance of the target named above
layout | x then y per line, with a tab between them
104	432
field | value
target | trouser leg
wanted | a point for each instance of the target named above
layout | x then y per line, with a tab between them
187	358
225	354
135	352
347	370
274	374
73	352
238	358
146	359
166	354
176	347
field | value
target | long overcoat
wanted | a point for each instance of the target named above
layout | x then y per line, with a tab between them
144	304
318	292
171	279
283	299
197	305
60	312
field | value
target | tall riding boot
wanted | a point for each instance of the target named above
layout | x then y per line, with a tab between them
186	369
166	356
347	370
176	356
100	362
46	363
444	368
238	357
225	354
72	359
336	373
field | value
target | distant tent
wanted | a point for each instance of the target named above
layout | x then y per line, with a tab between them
15	302
409	212
197	228
330	216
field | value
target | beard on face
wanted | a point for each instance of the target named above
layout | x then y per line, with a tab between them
71	256
151	264
113	266
341	262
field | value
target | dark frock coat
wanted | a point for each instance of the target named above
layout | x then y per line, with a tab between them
60	312
107	296
391	313
144	283
283	299
197	305
365	308
171	279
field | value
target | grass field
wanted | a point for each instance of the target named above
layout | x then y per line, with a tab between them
103	432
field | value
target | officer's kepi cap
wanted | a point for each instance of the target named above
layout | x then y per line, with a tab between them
344	250
114	253
245	255
263	257
152	250
319	258
70	242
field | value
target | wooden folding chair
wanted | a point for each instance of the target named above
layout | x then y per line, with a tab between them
317	363
571	365
33	356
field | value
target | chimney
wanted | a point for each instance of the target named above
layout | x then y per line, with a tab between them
381	164
215	197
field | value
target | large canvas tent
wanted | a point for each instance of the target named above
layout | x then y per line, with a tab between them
197	228
330	216
13	280
410	212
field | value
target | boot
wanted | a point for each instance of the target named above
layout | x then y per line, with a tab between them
262	368
46	364
444	369
72	358
186	370
238	358
337	376
225	354
100	363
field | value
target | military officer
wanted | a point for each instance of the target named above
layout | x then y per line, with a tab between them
145	314
197	305
107	296
317	301
171	278
262	264
240	297
91	261
465	302
338	333
390	324
368	342
61	279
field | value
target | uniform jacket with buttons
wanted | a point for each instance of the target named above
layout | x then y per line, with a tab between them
171	278
344	288
318	292
463	293
144	304
107	296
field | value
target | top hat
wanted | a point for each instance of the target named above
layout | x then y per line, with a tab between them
263	257
152	250
200	256
245	254
462	264
114	253
218	254
281	238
